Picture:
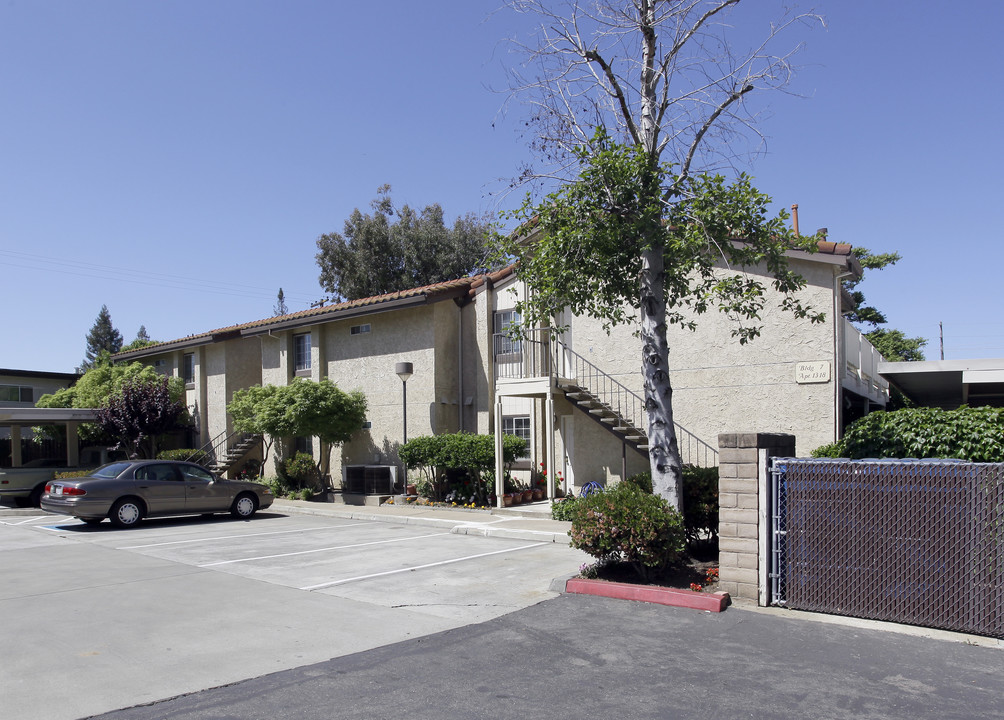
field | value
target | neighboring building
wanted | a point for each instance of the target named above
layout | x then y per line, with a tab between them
575	398
949	384
21	389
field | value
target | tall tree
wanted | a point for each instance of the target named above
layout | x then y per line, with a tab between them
102	337
142	339
666	84
380	253
893	344
280	304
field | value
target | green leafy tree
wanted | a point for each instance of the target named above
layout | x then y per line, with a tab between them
379	254
303	408
895	346
139	412
255	412
96	386
103	337
631	103
610	246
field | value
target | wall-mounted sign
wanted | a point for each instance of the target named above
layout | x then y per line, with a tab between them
812	372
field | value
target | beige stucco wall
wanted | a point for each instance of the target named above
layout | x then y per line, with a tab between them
719	383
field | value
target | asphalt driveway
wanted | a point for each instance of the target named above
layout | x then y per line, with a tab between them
97	618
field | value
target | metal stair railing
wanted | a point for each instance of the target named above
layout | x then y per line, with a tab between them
606	392
221	450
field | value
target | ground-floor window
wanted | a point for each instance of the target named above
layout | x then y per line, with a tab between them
518	425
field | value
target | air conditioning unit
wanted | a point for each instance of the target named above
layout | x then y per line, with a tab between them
369	479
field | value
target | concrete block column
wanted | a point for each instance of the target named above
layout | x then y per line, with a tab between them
743	522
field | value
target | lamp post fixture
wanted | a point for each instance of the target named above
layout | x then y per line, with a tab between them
404	371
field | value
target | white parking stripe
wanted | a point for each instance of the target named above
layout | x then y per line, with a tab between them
238	537
418	567
317	550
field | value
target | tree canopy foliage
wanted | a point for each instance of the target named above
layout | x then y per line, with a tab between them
396	249
96	387
142	339
102	337
894	345
138	412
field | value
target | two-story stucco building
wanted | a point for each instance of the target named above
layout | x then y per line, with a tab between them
574	397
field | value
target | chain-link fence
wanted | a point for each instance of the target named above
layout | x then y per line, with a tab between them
916	542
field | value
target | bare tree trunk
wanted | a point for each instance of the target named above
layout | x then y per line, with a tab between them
663	449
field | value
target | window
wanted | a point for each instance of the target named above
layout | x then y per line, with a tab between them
188	369
160	366
301	352
518	425
359	329
303	445
16	393
506	323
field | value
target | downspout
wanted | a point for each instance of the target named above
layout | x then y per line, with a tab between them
838	350
460	368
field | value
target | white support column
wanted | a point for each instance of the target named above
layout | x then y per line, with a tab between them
499	467
72	444
15	446
549	424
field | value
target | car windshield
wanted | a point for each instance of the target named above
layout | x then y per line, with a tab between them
110	470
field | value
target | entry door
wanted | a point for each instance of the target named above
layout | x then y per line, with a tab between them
566	427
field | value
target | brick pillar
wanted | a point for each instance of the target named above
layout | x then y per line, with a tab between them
743	522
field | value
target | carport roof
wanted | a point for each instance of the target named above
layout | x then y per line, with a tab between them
949	383
45	416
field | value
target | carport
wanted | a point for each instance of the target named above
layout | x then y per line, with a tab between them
70	418
949	383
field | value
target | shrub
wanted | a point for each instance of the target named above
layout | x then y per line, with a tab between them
300	471
564	509
973	434
624	523
196	456
643	480
700	502
462	462
833	450
66	474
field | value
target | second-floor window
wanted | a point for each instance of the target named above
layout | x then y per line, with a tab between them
506	325
301	352
16	393
188	369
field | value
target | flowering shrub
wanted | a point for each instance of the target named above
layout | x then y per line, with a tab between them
627	524
563	509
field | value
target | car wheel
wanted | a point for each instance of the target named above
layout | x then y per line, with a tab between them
244	506
92	521
35	499
126	513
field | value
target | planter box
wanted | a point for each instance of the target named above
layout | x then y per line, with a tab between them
712	602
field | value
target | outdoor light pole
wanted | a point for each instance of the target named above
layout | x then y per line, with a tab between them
404	371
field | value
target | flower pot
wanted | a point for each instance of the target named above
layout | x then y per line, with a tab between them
412	490
538	494
517	498
507	499
527	496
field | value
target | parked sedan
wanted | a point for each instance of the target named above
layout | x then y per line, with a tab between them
125	492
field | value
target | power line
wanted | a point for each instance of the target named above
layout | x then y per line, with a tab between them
145	277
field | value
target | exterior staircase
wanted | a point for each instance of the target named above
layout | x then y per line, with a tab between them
618	409
227	449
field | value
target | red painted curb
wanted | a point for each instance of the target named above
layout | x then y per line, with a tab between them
712	602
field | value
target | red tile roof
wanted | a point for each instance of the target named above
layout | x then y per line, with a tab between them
463	287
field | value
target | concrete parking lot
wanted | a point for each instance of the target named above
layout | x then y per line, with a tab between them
97	618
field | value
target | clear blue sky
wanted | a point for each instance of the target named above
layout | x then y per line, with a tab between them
176	161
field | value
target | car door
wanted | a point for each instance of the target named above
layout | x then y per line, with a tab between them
160	487
203	491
